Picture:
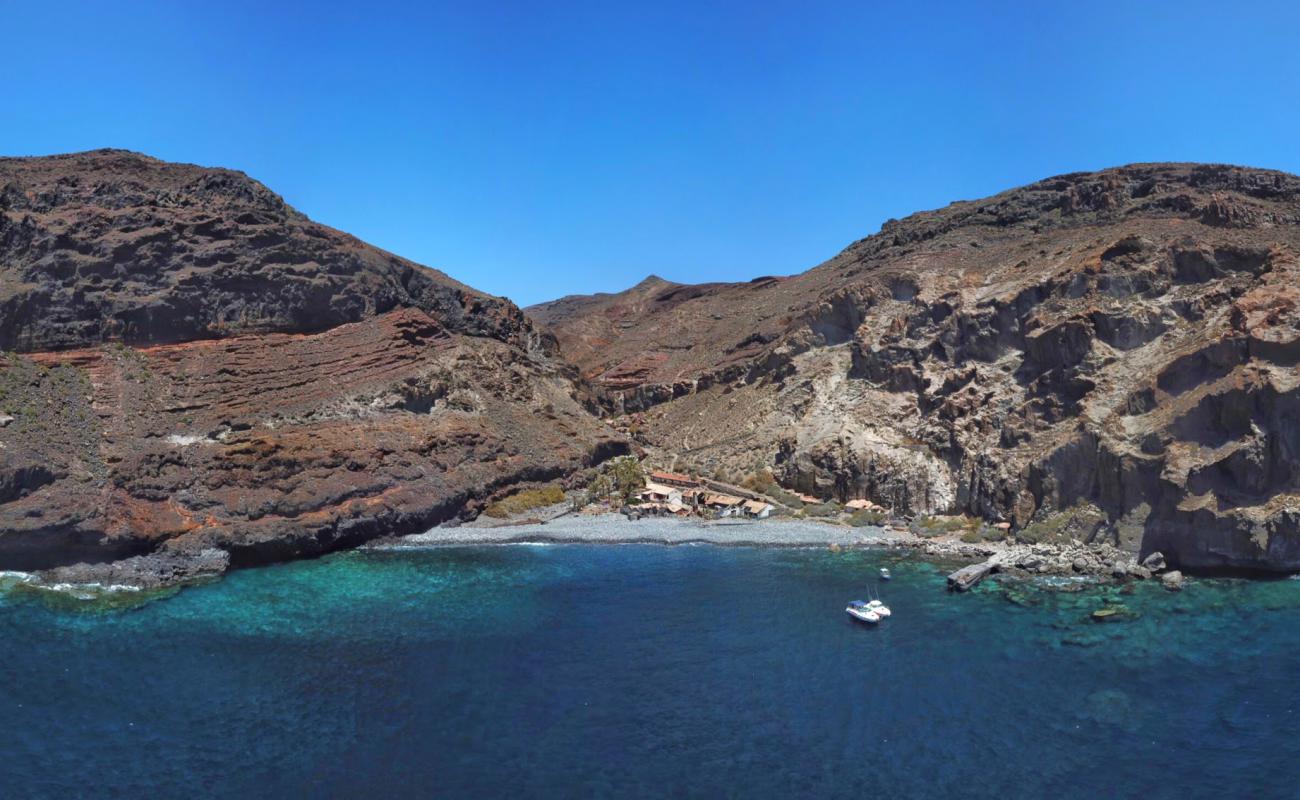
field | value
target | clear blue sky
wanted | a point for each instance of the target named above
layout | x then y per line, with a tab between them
534	150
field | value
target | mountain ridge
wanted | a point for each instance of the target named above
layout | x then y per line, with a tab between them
1040	357
192	366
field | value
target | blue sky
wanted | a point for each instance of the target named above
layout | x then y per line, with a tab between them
535	150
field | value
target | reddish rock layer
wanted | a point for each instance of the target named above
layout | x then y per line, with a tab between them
283	389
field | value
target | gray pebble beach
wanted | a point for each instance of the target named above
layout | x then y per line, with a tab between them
616	529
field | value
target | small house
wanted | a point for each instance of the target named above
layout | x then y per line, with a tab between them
660	493
674	479
756	509
724	504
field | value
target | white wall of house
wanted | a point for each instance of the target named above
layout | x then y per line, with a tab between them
661	493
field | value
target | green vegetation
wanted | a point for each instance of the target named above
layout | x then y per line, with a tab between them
983	533
761	481
971	530
628	477
42	398
937	525
822	510
764	482
52	407
620	479
866	517
930	526
135	366
526	500
785	498
1078	522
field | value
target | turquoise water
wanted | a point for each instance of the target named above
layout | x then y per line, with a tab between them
606	671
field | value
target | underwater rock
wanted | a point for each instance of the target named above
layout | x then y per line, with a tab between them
1111	707
1112	613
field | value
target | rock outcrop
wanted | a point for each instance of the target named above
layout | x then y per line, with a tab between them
1117	349
193	366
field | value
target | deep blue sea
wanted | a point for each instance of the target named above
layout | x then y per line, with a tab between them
645	671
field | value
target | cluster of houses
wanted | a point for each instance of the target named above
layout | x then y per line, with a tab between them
682	495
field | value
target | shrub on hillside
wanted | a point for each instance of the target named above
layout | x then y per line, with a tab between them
784	497
761	482
526	500
939	525
867	517
822	510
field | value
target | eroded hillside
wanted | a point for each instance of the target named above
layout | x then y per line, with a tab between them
193	364
1112	353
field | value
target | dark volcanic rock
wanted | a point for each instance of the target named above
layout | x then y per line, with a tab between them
153	571
116	246
1119	347
193	364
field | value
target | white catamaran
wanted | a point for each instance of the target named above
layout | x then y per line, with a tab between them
859	611
869	611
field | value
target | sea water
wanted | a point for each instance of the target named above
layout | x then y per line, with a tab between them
647	671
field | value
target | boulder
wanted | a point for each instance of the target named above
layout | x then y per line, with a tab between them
1138	571
1154	562
966	578
1080	564
1031	562
1172	580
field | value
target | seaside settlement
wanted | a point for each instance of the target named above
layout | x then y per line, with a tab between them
684	496
676	507
1062	546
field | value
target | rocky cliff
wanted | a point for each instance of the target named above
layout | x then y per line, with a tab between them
192	366
1108	355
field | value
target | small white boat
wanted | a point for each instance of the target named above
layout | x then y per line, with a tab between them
884	574
862	612
880	608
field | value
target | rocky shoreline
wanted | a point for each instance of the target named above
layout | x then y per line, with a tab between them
1101	561
161	570
167	569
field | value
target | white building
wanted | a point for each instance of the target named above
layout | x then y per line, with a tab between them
757	509
659	493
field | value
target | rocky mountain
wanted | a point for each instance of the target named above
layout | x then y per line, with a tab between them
192	366
1108	355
